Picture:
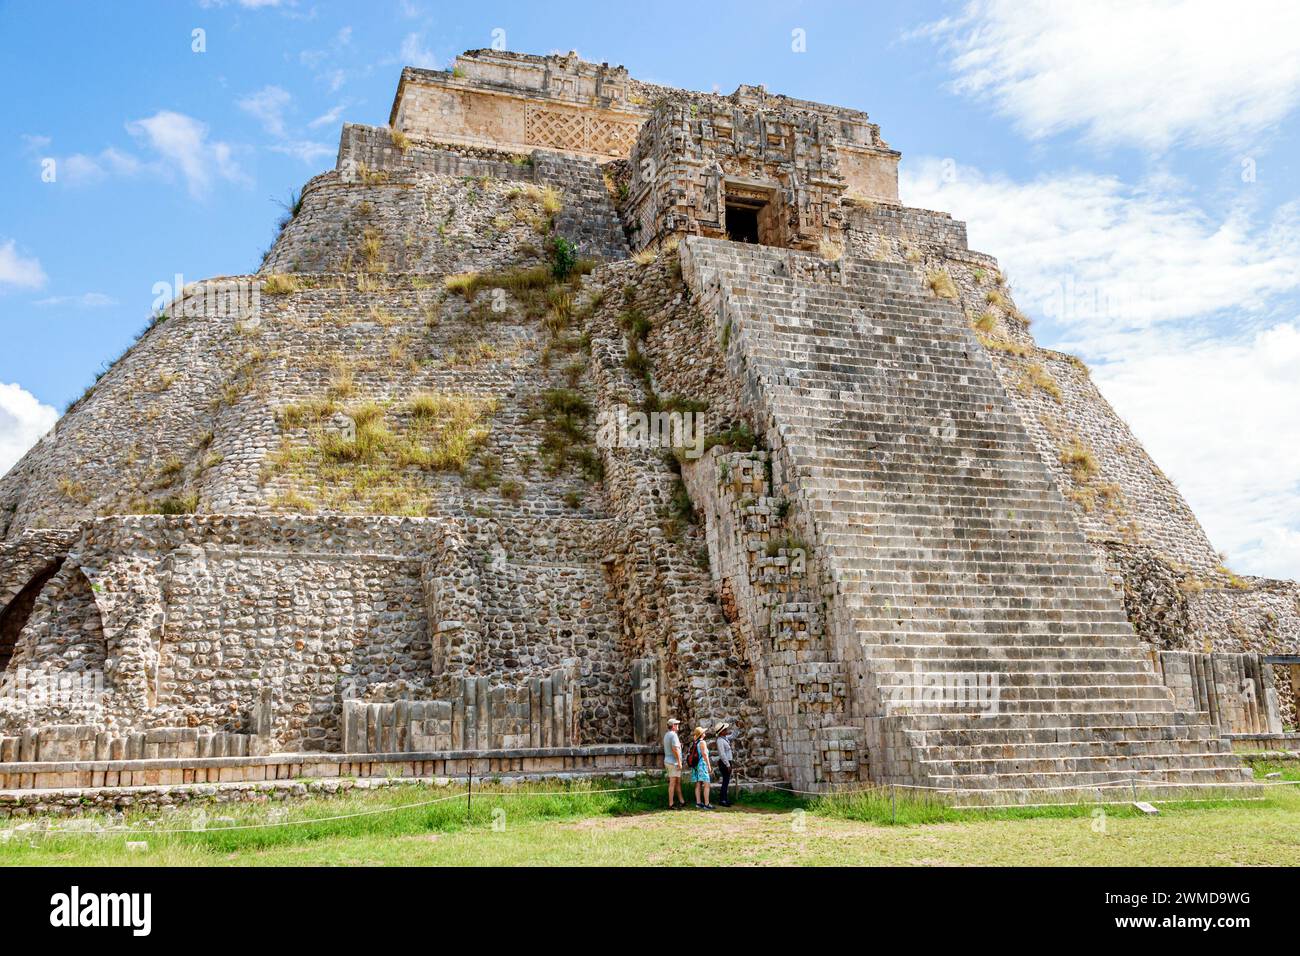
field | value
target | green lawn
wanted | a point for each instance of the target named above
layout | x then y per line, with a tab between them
402	826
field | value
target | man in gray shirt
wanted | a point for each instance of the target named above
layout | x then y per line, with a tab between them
673	763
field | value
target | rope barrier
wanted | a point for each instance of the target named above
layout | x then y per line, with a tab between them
1017	806
956	791
890	790
569	793
739	785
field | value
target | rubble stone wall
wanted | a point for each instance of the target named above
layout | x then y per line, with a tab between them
659	562
186	620
441	210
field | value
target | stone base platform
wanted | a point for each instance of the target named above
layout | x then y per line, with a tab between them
78	802
1146	791
1265	741
525	762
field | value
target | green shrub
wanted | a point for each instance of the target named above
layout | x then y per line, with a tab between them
636	362
740	437
171	505
788	544
635	324
564	257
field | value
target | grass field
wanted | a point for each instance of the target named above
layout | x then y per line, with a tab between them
529	825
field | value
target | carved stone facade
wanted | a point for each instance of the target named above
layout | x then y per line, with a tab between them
796	156
511	101
722	169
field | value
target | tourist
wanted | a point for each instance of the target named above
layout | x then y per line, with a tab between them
703	770
723	733
673	764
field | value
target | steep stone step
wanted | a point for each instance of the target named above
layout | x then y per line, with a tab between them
974	738
1062	703
1030	682
1013	655
1013	666
1204	772
1128	747
1089	763
1020	724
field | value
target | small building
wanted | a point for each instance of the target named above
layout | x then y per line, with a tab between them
751	166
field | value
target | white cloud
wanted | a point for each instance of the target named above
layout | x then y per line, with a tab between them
1219	417
183	143
247	4
1150	74
327	119
414	53
23	420
1100	257
80	168
180	144
315	59
306	150
87	300
267	105
17	270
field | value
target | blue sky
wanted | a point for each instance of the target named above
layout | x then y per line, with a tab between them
1134	168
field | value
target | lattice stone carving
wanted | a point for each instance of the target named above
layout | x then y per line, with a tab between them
560	129
577	130
606	136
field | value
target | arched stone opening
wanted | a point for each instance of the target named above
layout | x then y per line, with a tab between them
17	612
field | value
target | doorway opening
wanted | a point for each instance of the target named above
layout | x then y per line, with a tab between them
742	220
14	616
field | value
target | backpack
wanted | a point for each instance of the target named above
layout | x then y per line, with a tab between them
693	755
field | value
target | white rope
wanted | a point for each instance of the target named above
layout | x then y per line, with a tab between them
1017	806
486	794
569	793
1078	787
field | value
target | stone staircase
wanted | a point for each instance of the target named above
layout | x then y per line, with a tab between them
987	653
